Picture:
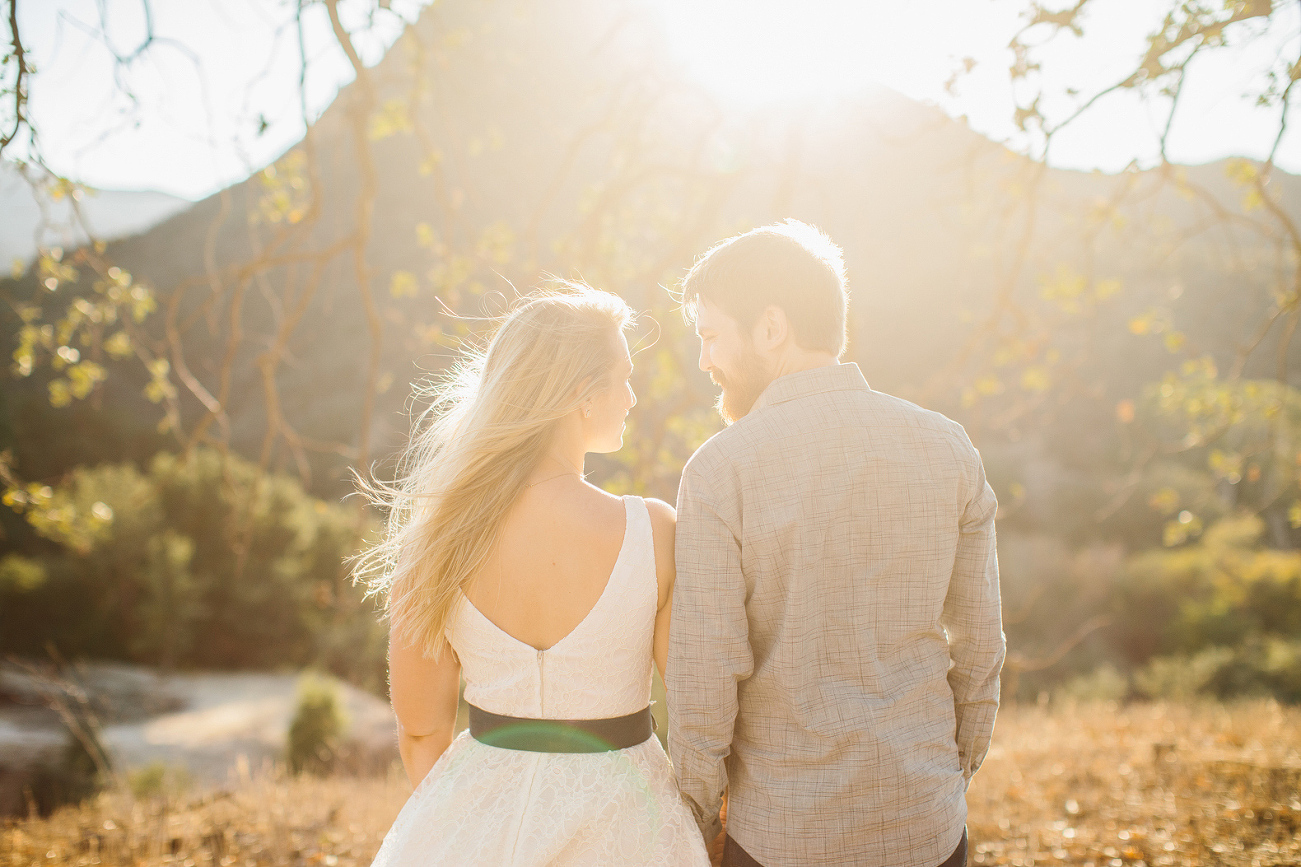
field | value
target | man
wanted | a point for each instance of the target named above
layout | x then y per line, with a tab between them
836	628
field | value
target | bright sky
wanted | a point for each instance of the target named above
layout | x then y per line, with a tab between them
198	132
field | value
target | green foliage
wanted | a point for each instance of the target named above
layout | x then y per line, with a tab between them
20	574
1241	438
317	728
1181	677
1261	666
157	780
1105	683
285	191
104	320
1219	592
200	561
1219	617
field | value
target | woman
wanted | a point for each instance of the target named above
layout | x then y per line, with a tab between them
551	596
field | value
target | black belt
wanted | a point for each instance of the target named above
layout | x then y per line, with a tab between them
560	735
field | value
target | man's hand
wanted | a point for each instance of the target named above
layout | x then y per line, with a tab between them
716	847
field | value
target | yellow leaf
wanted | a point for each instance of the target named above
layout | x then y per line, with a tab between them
1036	379
424	235
1165	501
392	118
119	345
1106	288
403	284
60	394
1241	172
84	377
430	162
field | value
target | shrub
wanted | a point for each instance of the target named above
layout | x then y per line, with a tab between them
1104	683
1223	591
1260	666
157	780
199	562
1182	676
316	733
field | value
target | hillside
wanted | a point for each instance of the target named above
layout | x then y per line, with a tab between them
515	138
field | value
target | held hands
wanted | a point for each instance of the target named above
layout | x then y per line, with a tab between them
716	847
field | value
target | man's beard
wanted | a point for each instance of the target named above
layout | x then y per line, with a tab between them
741	390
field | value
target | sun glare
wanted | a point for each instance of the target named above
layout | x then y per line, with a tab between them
756	53
766	51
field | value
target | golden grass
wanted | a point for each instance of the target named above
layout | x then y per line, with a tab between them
1088	785
1146	784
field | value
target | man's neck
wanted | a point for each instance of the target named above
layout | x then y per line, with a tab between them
795	362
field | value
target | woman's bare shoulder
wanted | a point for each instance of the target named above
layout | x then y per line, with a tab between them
662	515
664	521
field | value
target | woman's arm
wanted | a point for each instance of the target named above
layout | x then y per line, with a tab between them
663	527
424	695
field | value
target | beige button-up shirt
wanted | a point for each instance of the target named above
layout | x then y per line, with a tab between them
836	636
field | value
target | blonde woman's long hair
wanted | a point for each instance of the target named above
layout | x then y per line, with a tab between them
486	426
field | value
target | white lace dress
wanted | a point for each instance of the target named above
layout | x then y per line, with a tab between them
482	805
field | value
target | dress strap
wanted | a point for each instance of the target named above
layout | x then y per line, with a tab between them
639	523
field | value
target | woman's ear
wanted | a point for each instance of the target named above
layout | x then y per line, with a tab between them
581	388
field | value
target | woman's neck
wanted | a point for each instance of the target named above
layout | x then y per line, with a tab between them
558	462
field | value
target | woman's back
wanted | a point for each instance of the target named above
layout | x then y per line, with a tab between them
555	553
597	660
481	805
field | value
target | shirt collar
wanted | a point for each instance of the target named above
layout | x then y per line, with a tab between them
815	380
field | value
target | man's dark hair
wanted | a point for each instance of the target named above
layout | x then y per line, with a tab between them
790	265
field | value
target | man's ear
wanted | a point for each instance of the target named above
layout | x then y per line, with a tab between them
771	329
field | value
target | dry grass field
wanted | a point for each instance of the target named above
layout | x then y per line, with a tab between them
1089	785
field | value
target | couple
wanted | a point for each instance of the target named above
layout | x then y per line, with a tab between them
824	608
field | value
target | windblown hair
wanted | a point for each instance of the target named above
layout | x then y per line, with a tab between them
487	424
791	265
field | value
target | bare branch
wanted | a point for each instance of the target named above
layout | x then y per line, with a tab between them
20	83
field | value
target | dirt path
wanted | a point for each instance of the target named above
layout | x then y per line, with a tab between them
210	724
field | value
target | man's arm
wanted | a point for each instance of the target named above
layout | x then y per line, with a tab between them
974	621
709	648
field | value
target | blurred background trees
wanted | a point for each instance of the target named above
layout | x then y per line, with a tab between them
1119	345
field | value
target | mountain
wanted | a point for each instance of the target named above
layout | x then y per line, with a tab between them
501	140
110	214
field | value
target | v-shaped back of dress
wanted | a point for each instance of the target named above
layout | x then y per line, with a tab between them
600	669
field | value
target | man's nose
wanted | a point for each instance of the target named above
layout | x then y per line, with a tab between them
704	359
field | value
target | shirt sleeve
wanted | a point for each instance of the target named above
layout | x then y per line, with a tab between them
973	618
709	647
